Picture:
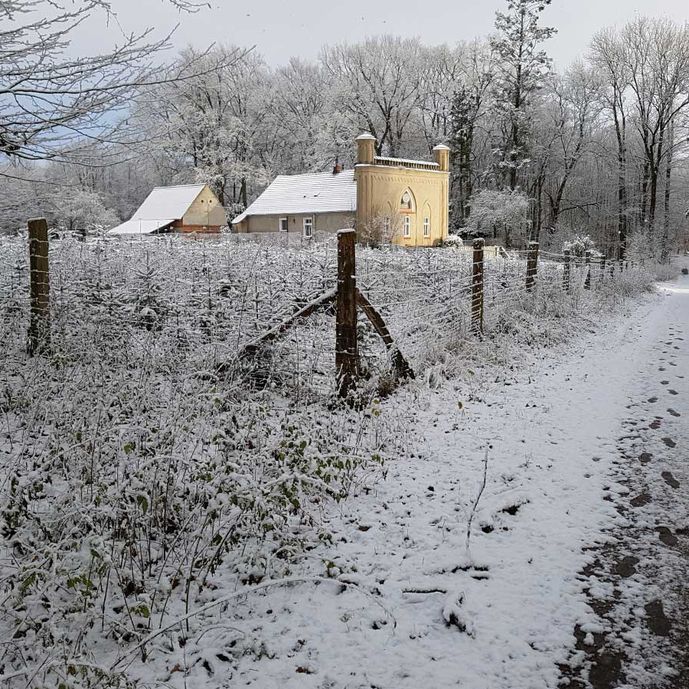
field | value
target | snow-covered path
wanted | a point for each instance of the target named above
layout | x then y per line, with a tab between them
413	606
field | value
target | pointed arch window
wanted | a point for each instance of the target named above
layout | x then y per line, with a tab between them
407	202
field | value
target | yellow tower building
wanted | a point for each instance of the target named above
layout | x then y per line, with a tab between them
388	200
403	201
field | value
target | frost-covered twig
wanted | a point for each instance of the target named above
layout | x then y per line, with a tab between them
240	594
478	499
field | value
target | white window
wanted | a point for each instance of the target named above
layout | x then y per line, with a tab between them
407	226
426	227
308	228
386	225
284	225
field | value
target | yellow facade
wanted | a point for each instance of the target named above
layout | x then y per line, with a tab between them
205	211
402	201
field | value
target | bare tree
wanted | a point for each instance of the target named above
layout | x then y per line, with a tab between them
376	83
573	110
51	102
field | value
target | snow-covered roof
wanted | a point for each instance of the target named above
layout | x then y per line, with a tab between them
405	161
161	207
141	226
320	192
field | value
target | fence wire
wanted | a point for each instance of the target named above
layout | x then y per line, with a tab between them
200	303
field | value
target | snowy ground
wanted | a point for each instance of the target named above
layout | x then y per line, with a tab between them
402	598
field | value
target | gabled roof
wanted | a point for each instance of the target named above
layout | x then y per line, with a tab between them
141	226
162	206
320	192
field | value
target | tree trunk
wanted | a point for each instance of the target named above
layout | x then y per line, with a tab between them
665	243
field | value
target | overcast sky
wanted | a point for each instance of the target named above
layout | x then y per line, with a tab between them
281	29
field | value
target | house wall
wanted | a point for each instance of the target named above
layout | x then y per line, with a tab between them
322	222
205	212
379	193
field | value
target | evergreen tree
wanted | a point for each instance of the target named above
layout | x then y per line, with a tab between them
462	122
521	68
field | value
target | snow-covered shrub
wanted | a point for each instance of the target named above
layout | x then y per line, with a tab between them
143	472
579	244
453	240
502	212
147	464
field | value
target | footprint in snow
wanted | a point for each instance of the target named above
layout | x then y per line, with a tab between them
645	457
670	442
626	567
641	500
674	413
666	536
673	392
665	382
656	619
670	479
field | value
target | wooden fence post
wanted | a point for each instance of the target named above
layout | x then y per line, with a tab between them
566	277
531	266
587	282
39	326
602	268
346	346
477	288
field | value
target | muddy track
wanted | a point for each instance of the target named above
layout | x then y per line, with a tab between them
637	583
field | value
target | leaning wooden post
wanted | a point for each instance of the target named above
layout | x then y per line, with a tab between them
566	277
587	282
39	326
346	347
602	268
477	288
531	265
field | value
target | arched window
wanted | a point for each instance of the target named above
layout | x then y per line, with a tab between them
407	203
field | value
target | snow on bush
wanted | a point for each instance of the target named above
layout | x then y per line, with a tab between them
579	244
144	460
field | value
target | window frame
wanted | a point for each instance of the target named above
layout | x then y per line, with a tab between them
308	220
406	230
426	226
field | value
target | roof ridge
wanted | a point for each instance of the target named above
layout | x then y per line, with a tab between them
179	186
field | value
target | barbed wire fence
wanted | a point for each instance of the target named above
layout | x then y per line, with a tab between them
172	403
272	315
